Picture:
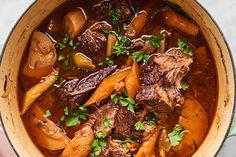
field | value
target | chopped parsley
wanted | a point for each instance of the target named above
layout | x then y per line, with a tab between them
98	144
184	47
48	113
114	98
60	84
119	47
107	61
184	86
62	44
126	140
139	56
71	118
125	26
176	135
139	126
155	40
116	15
128	102
61	57
107	31
107	123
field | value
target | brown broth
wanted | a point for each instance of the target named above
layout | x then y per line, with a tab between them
202	78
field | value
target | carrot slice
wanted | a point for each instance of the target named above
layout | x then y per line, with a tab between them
136	25
132	82
179	22
107	86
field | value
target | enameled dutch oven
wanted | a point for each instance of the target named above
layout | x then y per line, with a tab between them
39	10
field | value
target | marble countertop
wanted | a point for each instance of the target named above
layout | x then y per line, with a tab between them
222	11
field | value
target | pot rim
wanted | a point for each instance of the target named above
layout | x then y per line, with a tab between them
202	7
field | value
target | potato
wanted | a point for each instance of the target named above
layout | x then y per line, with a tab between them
44	132
82	61
74	22
80	144
194	120
37	90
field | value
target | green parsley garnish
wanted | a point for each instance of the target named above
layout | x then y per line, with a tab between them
176	135
61	57
139	56
125	26
98	144
155	40
184	47
71	118
126	140
116	15
128	102
73	121
105	30
101	134
119	47
139	126
114	98
48	113
107	61
107	123
62	44
184	86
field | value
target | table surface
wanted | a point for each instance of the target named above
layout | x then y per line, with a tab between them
222	11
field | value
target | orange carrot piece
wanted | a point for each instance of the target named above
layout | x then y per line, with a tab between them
132	82
107	86
136	25
179	22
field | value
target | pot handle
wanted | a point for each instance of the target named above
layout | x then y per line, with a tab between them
232	131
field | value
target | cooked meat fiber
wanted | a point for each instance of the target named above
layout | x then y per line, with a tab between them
115	148
76	91
94	39
161	79
107	111
124	124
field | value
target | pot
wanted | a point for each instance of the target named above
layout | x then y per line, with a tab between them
39	10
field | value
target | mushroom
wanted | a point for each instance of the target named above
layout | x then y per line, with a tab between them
42	56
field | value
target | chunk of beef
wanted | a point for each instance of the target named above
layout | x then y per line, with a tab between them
116	148
94	39
107	111
76	91
124	124
104	9
161	79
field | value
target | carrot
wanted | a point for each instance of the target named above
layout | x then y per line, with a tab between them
179	22
132	82
136	25
148	146
128	63
107	86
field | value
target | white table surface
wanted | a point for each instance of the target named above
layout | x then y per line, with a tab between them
224	13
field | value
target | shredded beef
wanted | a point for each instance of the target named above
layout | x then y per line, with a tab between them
76	91
161	78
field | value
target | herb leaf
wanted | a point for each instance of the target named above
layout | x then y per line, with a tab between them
152	119
119	47
139	126
116	15
139	56
107	123
128	102
73	121
107	61
155	40
176	135
48	113
184	86
61	57
114	98
62	44
184	47
98	144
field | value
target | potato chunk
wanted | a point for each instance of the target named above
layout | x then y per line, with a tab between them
44	132
80	144
194	120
